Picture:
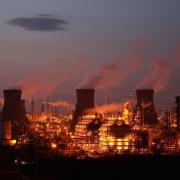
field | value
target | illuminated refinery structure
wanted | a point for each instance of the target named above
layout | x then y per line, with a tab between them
105	133
127	129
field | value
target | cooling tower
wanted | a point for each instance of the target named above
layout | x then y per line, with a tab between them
145	104
85	100
13	117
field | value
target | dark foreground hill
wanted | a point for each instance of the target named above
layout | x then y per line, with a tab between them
120	167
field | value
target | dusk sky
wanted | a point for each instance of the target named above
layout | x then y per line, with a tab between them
51	47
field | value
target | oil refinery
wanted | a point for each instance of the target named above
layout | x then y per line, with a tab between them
89	136
91	131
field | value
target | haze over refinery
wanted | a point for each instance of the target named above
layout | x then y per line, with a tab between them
50	48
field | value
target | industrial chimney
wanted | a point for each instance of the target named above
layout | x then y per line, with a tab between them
13	117
145	104
178	111
85	100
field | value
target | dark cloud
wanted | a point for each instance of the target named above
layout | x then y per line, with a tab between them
42	22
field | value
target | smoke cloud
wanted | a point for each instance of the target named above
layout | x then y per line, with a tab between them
110	75
45	82
63	104
158	76
141	44
113	107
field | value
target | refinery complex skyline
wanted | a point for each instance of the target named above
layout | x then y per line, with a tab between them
108	131
89	89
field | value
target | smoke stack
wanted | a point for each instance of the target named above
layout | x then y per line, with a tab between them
13	117
42	108
52	110
178	111
56	111
47	108
145	104
32	108
85	100
23	103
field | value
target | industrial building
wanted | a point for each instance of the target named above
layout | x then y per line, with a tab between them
126	130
